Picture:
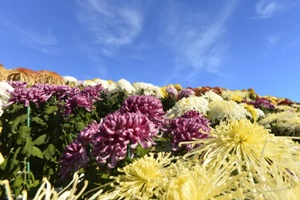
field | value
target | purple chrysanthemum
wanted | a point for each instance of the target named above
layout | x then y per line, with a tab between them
147	105
117	132
92	92
190	125
73	158
85	136
262	103
172	92
185	93
17	84
27	95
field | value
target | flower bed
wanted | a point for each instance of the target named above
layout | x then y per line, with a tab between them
117	140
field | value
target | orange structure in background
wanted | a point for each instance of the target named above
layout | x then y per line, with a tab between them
30	76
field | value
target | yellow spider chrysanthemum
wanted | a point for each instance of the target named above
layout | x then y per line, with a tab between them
142	179
194	182
249	143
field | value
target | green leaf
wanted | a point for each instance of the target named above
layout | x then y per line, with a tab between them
51	109
37	152
40	140
14	160
24	132
39	121
141	151
21	119
49	152
27	149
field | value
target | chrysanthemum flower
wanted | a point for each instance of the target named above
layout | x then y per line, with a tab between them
243	141
185	93
226	110
235	95
286	122
263	103
5	90
1	159
125	87
256	113
142	179
171	91
147	89
199	104
212	96
73	158
86	135
190	125
198	182
147	105
118	130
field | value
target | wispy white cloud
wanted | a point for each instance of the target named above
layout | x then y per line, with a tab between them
31	38
273	39
198	40
271	8
112	24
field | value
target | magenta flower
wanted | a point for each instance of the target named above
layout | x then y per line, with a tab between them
120	131
185	93
262	103
85	136
147	105
190	125
93	92
27	95
73	158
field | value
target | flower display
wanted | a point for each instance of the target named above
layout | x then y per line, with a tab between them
187	127
141	141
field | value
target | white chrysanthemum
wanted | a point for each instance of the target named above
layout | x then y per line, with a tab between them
5	89
226	110
70	79
142	88
104	83
125	87
89	83
199	104
212	96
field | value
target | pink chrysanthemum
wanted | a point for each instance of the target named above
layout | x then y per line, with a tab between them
120	131
190	125
185	93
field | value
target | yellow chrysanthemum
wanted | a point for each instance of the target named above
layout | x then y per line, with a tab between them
142	179
194	182
255	112
235	95
242	141
177	87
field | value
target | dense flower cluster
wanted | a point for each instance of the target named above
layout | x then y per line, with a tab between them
5	90
191	125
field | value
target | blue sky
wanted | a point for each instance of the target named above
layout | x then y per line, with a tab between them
233	44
